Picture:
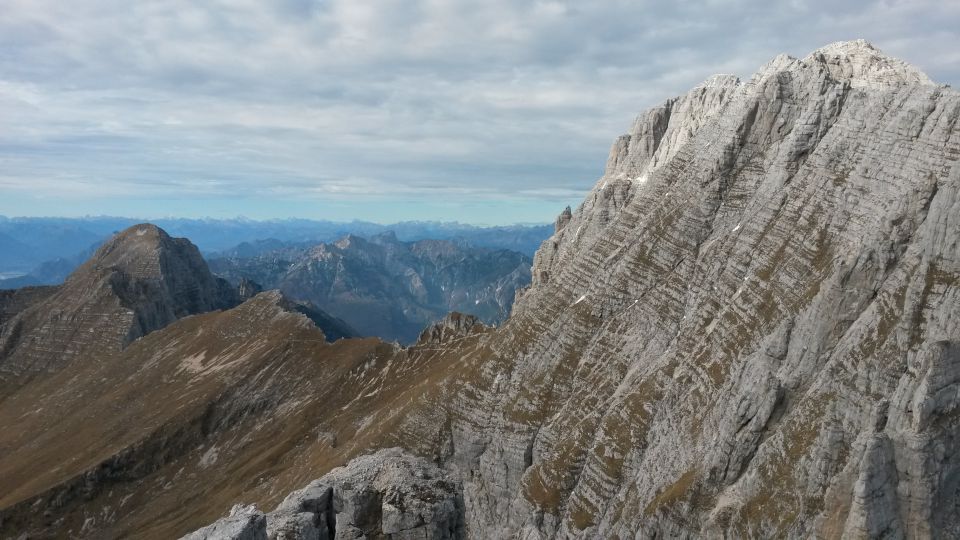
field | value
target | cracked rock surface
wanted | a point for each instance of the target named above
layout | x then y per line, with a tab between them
389	494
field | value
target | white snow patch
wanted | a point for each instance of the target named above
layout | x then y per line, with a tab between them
581	299
642	179
141	232
476	302
737	228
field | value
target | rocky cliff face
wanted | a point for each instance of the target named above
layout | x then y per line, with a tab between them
387	288
748	329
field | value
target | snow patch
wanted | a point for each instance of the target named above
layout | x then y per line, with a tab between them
141	232
737	228
581	299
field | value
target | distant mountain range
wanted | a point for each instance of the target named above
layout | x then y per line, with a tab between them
382	286
43	251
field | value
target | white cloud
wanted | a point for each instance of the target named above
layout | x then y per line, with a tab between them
347	98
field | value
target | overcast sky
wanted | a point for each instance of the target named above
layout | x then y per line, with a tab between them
488	111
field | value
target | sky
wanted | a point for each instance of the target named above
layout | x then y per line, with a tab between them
485	112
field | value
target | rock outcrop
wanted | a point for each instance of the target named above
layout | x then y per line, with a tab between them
246	523
389	494
247	288
332	327
452	327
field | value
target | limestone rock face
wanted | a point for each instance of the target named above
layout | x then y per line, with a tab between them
243	523
389	494
864	66
750	327
563	219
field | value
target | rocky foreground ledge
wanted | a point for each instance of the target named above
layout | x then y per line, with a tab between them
388	494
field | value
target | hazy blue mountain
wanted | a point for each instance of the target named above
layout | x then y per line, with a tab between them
383	286
28	243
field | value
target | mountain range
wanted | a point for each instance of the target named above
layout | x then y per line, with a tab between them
42	250
384	287
750	328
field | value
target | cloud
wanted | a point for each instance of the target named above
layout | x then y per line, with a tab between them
348	100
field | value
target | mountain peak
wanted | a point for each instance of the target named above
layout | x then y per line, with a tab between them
140	235
136	250
865	66
386	237
720	80
850	47
350	240
139	281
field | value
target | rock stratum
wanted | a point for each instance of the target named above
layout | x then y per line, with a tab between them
750	328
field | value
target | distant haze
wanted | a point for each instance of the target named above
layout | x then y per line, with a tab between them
49	248
482	112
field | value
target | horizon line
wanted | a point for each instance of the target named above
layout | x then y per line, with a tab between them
241	218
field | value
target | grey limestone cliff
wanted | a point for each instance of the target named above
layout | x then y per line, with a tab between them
748	328
752	321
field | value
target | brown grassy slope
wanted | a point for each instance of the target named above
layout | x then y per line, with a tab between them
242	405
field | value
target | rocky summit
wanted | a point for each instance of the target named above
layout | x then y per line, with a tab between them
750	328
